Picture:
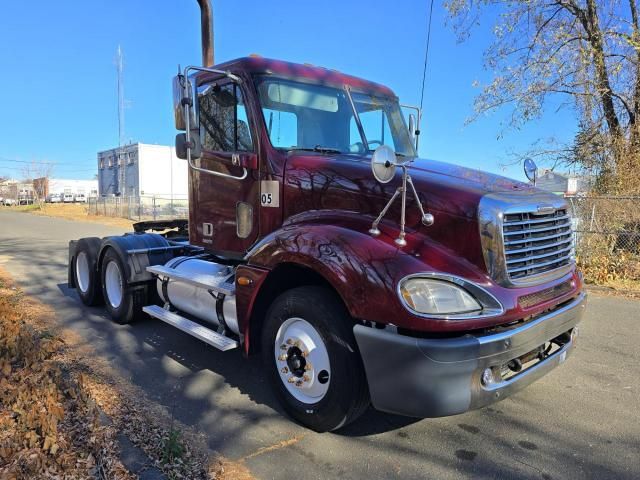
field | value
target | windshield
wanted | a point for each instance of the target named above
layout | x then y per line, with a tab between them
301	116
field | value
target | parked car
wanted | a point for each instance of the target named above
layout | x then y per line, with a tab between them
8	202
68	198
81	198
55	198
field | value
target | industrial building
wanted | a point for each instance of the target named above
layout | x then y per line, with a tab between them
141	169
61	186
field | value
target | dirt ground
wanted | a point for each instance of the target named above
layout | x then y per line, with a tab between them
73	211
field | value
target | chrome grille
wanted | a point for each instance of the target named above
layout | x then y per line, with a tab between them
536	243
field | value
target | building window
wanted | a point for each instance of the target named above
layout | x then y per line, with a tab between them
110	162
102	164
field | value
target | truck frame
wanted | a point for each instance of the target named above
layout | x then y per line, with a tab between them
317	239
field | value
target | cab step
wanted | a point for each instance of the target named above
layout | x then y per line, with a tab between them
208	282
194	329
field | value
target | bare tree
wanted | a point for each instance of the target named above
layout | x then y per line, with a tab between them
585	52
38	174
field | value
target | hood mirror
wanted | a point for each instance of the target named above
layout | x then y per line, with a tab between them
384	163
530	170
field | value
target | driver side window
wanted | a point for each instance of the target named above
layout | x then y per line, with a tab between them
224	125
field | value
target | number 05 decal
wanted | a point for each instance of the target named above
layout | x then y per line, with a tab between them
269	193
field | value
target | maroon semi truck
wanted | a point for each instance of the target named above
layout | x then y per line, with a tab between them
360	273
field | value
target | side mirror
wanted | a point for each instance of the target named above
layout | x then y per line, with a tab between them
178	103
412	127
181	145
530	170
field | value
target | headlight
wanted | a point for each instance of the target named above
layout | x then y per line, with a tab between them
437	297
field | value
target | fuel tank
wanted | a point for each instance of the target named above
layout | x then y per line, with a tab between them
198	301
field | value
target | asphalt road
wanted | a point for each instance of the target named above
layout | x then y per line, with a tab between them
581	421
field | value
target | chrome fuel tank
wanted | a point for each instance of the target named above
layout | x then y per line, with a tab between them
198	301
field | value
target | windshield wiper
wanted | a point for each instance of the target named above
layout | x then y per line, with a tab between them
317	148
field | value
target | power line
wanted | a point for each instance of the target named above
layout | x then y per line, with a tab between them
426	54
2	159
34	162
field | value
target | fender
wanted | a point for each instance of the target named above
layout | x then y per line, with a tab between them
363	270
136	265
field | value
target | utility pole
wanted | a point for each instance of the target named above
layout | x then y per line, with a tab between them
122	167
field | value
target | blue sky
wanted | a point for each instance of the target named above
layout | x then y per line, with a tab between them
59	96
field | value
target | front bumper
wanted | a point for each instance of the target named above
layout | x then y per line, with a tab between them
421	377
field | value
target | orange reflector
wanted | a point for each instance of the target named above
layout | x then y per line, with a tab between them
244	281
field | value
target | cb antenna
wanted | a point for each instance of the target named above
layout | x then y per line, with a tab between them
426	58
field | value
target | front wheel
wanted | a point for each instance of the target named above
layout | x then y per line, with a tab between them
312	360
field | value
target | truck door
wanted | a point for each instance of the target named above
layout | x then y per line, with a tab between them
224	210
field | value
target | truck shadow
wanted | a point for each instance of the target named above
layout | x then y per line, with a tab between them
147	344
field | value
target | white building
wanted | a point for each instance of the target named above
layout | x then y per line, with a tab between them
142	169
61	186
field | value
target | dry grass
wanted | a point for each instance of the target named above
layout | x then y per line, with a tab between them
73	211
49	425
53	389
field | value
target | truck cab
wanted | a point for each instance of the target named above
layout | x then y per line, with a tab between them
359	272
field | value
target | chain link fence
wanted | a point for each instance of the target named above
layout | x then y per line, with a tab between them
607	230
143	207
608	239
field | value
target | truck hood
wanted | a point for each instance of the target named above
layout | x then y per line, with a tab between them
442	186
345	183
470	178
457	190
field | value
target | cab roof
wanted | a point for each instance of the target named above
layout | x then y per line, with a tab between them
257	64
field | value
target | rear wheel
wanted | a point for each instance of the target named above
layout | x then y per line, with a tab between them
119	298
87	279
312	359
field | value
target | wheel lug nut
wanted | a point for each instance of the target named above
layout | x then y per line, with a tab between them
308	367
291	380
297	343
289	341
283	357
299	383
284	370
305	353
306	378
283	347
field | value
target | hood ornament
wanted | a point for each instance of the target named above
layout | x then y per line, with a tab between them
383	164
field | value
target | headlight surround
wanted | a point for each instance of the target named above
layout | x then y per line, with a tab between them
436	297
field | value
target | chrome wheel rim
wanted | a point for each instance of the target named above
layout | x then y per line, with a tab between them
82	272
113	284
302	360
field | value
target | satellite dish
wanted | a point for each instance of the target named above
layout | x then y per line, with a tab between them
383	163
530	170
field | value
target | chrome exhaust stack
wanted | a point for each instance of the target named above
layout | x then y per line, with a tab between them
206	27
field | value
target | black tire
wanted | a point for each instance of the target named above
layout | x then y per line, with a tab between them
129	307
347	396
87	283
